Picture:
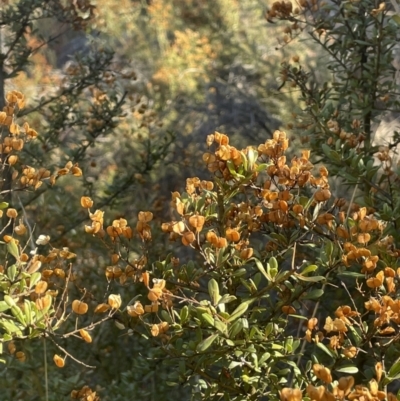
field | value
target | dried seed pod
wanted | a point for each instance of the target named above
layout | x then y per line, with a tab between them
154	294
114	301
102	308
155	330
59	361
86	202
20	356
41	287
79	307
85	335
44	302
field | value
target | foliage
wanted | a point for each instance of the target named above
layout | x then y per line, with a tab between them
207	66
276	288
276	283
48	271
240	312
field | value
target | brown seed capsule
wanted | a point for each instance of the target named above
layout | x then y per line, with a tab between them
85	335
114	258
155	330
60	362
8	239
288	309
43	303
11	347
146	278
86	202
135	310
154	294
232	235
12	159
102	308
246	253
79	307
163	327
114	301
20	356
41	287
20	229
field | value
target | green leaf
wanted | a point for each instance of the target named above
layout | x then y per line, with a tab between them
314	294
17	312
235	328
351	274
4	306
206	343
273	263
12	272
309	269
394	372
231	168
396	18
330	153
299	317
208	318
261	167
184	314
328	249
356	334
239	311
220	326
28	312
234	364
12	248
10	327
268	329
313	279
10	301
35	277
347	369
327	351
272	269
213	290
239	272
252	156
3	205
264	358
260	267
226	298
166	316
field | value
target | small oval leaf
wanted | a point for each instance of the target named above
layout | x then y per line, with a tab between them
206	343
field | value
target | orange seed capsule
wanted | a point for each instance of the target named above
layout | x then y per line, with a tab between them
43	303
41	287
146	278
115	301
85	335
246	253
154	294
60	362
79	307
12	159
11	347
101	308
20	356
114	258
86	202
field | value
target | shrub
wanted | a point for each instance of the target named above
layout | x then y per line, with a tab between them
243	311
283	278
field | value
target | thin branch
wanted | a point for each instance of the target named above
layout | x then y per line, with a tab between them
69	355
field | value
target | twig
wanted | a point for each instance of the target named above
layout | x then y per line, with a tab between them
71	356
46	380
